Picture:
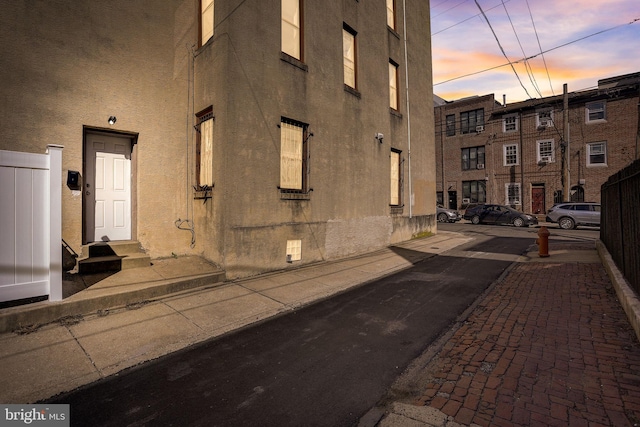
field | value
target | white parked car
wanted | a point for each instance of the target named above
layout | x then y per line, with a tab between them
572	214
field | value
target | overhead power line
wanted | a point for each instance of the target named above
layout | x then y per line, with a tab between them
452	7
540	47
527	66
501	49
537	54
468	19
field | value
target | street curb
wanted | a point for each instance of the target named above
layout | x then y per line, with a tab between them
627	297
42	313
385	407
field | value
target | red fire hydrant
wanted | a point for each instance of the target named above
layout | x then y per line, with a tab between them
543	242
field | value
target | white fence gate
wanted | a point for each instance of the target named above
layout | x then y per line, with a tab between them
30	224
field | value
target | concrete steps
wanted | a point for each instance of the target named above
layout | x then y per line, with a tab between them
101	257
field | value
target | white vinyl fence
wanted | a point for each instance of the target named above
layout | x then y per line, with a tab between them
30	224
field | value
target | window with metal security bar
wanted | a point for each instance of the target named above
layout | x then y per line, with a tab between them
204	153
395	181
294	165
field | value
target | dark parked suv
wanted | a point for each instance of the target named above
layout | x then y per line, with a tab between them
572	214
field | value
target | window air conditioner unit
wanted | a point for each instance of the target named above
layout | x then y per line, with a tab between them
479	129
480	166
545	159
466	201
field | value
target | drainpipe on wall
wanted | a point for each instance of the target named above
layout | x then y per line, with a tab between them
567	158
406	80
442	172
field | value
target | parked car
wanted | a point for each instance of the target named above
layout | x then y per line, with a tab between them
498	214
447	215
572	214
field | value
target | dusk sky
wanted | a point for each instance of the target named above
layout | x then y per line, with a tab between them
567	31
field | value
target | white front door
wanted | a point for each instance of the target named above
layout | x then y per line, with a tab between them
107	188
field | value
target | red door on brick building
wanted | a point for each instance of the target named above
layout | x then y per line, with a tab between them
537	200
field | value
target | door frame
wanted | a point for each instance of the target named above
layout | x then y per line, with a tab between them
452	199
133	136
541	188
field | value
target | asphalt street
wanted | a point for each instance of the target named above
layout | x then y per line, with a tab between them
324	365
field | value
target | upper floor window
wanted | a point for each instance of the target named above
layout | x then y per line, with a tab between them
393	85
511	155
510	123
597	154
472	121
596	111
451	124
545	151
473	158
391	14
349	56
292	28
206	20
293	156
544	118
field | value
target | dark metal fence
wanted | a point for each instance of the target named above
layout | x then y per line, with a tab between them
620	223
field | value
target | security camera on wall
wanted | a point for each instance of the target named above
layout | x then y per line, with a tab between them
379	137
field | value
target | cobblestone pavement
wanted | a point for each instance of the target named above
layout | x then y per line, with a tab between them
549	346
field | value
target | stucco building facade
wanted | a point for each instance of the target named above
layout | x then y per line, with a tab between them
260	135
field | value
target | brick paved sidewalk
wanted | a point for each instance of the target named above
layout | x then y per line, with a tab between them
548	346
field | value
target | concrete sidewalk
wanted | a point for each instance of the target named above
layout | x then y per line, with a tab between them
130	317
548	345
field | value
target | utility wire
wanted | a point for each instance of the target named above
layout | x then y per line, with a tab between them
503	52
436	5
462	22
452	7
527	66
537	54
540	47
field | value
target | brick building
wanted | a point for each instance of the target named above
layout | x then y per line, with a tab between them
528	154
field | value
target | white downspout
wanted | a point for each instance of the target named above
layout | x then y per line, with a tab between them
406	80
